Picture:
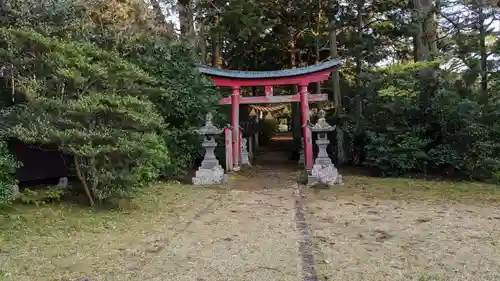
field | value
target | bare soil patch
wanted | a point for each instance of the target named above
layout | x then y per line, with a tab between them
403	229
248	236
260	178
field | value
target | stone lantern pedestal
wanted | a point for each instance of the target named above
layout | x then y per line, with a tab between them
210	171
301	152
244	152
323	171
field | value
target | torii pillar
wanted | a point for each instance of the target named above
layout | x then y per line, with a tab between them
306	131
235	123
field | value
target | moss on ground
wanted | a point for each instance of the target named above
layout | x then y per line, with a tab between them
411	189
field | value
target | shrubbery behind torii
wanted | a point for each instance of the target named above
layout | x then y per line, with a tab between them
103	82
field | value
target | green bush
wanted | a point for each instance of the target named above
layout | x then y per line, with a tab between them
42	196
91	103
8	166
409	129
394	154
186	98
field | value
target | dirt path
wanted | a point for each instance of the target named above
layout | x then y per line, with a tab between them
250	233
245	236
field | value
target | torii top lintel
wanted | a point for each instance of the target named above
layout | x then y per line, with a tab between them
296	76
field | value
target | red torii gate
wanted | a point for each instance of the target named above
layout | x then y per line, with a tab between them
302	77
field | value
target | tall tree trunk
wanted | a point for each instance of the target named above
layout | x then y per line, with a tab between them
425	24
216	51
201	43
160	19
185	16
216	59
424	19
483	53
296	112
358	62
4	9
200	35
429	29
418	36
186	22
317	86
337	96
296	124
433	28
358	145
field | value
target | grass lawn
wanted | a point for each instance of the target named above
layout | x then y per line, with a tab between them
368	229
411	189
406	229
69	242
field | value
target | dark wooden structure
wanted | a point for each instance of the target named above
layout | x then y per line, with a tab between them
39	162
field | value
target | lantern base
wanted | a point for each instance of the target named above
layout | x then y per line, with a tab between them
324	174
212	176
302	161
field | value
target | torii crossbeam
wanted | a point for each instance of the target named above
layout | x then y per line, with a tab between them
302	77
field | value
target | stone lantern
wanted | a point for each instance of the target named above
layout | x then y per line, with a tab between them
323	170
210	172
245	160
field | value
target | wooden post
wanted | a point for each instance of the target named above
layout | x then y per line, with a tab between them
235	123
306	132
268	90
229	149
